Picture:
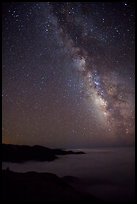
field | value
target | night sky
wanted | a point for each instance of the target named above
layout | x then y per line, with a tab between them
68	73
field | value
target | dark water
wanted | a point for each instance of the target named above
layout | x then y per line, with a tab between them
108	173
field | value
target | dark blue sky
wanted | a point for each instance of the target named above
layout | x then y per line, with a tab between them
68	73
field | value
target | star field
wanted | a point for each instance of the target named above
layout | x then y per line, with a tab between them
68	73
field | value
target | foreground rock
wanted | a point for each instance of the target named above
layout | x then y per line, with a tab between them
32	186
22	153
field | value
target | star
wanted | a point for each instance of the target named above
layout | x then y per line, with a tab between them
68	65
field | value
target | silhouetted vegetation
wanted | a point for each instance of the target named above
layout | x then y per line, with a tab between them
32	186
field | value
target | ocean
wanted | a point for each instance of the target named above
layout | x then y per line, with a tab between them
107	173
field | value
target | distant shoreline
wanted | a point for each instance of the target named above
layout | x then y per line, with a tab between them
23	153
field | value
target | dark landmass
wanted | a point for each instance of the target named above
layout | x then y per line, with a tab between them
22	153
47	187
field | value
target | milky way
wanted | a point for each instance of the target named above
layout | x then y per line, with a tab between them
68	73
